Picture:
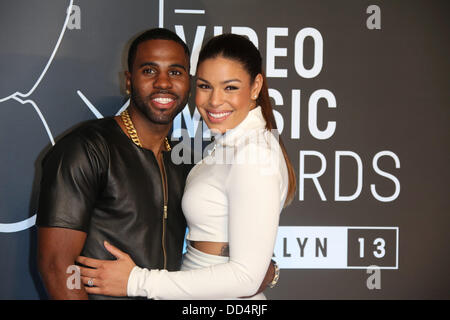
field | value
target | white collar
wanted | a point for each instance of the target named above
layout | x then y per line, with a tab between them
254	121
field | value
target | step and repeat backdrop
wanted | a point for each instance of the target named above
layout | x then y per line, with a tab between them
361	97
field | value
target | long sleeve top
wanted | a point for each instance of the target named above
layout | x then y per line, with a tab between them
234	195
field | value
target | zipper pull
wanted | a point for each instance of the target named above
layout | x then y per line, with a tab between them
165	211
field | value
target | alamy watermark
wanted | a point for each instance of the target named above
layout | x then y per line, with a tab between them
374	280
74	280
74	22
373	22
259	147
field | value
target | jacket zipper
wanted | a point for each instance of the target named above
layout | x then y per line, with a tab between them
164	218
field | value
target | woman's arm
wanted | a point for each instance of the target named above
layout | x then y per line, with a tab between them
254	195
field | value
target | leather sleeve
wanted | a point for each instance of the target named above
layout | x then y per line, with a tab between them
69	184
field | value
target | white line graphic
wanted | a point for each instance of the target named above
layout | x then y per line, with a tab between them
38	111
29	222
18	226
126	104
24	95
95	110
161	13
90	105
189	11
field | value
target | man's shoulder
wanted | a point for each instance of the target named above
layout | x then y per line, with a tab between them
94	128
87	137
89	132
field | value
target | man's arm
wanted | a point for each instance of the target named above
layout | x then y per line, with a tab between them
57	250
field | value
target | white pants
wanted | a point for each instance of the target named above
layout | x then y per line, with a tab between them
195	259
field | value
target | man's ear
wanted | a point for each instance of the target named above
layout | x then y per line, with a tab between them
127	81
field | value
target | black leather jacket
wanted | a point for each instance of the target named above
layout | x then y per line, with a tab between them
97	180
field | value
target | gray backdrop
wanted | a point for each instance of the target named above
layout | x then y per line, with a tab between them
360	90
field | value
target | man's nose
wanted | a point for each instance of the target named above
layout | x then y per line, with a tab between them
162	81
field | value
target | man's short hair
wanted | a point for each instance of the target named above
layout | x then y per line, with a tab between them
155	34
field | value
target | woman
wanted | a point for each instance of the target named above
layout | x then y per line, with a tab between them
233	197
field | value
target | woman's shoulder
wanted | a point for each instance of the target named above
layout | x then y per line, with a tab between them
261	142
264	154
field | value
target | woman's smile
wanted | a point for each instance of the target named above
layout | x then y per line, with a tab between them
218	116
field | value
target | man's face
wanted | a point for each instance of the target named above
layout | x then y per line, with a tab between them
159	80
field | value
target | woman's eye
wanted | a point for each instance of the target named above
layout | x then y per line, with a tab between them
229	88
202	86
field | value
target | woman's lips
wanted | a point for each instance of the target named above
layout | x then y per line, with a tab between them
216	117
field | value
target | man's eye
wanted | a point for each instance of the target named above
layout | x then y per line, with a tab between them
148	71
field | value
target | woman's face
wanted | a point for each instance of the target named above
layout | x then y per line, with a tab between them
225	93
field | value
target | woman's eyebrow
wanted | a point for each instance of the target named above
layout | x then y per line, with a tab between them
231	80
223	82
201	79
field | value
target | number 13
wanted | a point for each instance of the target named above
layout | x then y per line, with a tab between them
379	253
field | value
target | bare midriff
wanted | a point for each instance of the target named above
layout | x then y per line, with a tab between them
214	248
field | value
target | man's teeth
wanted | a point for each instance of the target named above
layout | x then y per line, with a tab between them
219	115
163	100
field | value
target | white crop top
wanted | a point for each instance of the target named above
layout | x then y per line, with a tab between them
234	195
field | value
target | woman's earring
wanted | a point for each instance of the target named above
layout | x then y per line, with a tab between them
128	92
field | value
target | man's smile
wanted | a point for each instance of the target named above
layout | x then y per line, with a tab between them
163	101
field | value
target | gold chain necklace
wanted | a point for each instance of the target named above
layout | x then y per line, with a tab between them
132	130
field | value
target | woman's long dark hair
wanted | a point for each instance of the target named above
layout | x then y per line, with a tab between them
242	50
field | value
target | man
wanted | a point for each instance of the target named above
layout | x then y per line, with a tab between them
113	179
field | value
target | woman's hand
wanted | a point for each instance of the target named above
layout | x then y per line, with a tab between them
110	277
